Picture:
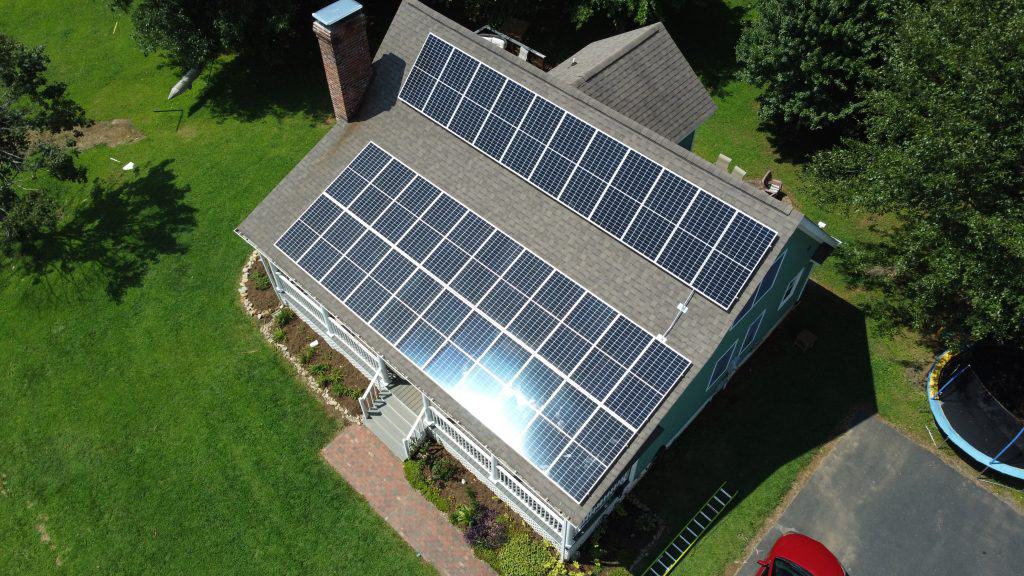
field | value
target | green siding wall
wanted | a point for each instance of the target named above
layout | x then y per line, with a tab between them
797	260
687	142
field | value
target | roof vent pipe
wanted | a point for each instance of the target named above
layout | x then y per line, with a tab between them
681	308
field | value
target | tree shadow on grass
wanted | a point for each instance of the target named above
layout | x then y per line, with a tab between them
796	145
782	405
282	79
250	86
706	31
126	226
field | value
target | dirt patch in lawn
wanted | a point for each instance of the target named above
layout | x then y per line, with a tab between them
111	133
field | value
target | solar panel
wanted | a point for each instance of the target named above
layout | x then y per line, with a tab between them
559	375
631	197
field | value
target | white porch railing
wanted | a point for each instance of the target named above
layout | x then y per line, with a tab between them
372	393
416	433
341	338
542	518
358	353
303	305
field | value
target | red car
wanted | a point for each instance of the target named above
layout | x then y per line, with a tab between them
798	555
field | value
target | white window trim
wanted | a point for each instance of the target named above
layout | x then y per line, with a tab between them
746	347
791	288
731	353
803	286
780	260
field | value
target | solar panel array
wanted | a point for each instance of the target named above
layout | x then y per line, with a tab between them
557	374
704	242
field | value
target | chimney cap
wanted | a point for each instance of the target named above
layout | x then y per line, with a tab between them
337	12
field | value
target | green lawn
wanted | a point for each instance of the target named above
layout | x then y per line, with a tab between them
144	424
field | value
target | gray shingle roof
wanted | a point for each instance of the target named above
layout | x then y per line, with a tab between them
627	281
642	74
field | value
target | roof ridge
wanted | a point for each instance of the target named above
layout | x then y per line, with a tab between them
650	31
672	148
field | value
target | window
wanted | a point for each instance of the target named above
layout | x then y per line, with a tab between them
722	367
767	283
751	335
783	567
790	289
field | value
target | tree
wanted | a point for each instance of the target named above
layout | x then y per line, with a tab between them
639	11
621	12
943	156
814	59
36	116
192	33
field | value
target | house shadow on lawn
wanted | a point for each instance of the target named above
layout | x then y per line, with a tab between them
783	404
125	226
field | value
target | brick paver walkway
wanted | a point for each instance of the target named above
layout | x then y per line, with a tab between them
370	468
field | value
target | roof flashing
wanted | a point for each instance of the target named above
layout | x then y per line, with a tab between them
336	12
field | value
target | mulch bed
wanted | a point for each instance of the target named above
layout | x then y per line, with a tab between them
263	299
457	489
298	336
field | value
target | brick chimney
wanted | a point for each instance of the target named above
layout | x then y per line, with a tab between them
341	30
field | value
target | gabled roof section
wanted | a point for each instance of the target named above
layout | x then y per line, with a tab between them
613	272
643	75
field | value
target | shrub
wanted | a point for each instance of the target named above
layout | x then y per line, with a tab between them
339	389
279	335
618	571
414	475
443	470
417	448
283	317
487	530
523	555
463	515
487	555
306	355
260	280
319	370
331	378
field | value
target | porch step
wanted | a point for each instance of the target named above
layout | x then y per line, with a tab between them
389	434
391	419
389	407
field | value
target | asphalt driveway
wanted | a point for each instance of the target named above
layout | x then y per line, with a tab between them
887	507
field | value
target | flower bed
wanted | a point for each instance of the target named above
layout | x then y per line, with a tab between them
498	536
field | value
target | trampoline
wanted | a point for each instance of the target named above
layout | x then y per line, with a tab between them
977	398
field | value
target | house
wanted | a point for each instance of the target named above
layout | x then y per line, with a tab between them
548	287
